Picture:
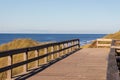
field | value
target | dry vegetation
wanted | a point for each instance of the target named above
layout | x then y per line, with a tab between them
92	45
109	36
18	43
15	44
113	36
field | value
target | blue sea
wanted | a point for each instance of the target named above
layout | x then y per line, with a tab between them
84	38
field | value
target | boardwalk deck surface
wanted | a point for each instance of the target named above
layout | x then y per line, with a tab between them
86	64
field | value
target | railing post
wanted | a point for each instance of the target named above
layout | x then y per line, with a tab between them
45	52
97	43
72	45
25	55
52	55
54	49
37	61
79	43
9	72
63	48
67	49
58	53
75	42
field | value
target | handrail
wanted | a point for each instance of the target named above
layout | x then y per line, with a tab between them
67	46
112	69
16	51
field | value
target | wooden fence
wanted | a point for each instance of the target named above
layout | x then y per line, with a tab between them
56	50
103	43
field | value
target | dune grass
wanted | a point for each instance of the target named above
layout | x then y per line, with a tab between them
90	45
115	36
15	44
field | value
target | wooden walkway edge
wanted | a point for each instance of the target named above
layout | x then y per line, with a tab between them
85	64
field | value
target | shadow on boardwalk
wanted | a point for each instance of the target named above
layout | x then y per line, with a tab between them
41	68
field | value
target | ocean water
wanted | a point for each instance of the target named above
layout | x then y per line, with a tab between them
84	38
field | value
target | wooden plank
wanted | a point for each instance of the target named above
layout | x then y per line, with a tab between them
118	47
103	44
77	67
104	40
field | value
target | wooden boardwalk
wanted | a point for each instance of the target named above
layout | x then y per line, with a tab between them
85	64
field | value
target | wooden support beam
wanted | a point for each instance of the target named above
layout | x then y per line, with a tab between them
45	52
25	67
9	72
58	53
52	55
37	61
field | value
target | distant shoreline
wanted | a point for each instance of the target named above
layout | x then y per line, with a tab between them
52	33
50	37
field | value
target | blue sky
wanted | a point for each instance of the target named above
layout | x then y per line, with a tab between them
59	16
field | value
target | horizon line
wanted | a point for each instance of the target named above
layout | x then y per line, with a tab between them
48	33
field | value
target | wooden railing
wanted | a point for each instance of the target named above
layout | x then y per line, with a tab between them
103	43
113	70
51	52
